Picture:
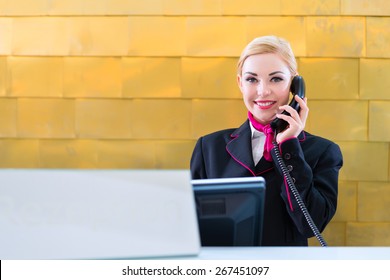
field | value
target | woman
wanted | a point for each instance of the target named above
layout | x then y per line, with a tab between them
265	71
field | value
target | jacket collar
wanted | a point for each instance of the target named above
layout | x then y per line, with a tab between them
240	149
240	146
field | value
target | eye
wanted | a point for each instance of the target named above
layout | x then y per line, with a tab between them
276	79
251	80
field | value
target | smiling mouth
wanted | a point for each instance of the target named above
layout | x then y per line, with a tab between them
265	104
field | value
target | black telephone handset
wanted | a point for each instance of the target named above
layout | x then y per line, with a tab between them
297	88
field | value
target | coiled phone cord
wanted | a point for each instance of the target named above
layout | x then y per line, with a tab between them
297	197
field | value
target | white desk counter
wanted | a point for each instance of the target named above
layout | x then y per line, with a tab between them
294	253
221	263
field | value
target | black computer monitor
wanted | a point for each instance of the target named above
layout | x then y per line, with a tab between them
230	210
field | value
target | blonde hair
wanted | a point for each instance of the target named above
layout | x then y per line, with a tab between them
269	44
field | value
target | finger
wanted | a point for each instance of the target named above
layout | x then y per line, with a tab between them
295	118
292	122
302	102
304	112
294	114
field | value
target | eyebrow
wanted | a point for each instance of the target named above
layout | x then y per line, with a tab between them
270	74
276	72
251	73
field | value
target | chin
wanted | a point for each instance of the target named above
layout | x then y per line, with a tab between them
262	120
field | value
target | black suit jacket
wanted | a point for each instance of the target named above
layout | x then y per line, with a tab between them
314	165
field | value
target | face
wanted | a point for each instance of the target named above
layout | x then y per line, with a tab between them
265	85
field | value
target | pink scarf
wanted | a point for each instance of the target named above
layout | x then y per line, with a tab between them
269	136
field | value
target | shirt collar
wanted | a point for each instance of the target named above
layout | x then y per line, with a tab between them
254	132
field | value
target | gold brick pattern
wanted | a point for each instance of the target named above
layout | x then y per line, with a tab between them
350	122
346	205
39	36
378	39
367	234
251	7
166	36
133	84
35	76
8	109
82	153
173	154
374	82
103	118
92	77
295	33
98	36
3	76
336	36
365	161
365	7
310	7
209	78
118	154
161	119
20	7
192	7
46	118
379	121
123	7
153	77
223	113
339	78
73	7
334	234
210	36
369	192
19	153
6	36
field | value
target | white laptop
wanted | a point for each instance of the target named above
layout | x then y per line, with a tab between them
97	214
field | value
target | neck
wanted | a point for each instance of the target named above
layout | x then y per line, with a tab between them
256	124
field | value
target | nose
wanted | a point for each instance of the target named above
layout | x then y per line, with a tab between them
263	89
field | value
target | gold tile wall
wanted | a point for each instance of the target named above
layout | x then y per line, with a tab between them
133	84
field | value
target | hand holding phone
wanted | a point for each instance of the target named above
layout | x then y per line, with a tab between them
297	88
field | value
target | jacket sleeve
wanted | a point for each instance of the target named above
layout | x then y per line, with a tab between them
316	182
197	165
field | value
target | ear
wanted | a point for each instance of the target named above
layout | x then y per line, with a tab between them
239	82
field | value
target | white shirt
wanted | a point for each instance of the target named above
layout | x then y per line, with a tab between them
258	140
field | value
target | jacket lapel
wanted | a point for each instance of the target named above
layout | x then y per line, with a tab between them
240	148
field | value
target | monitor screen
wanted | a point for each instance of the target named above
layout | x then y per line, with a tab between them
230	210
